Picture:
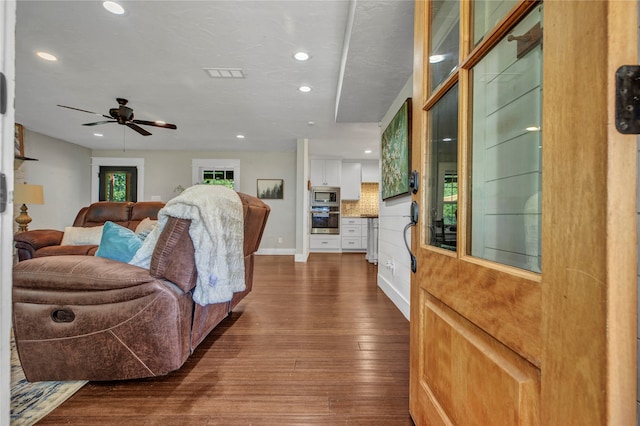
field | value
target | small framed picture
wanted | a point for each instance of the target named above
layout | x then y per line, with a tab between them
18	141
271	189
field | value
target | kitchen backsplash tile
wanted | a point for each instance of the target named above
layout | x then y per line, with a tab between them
367	205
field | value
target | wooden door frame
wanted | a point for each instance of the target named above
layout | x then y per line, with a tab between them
589	237
589	251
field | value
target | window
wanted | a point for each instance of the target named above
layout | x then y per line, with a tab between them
218	177
216	172
443	165
506	152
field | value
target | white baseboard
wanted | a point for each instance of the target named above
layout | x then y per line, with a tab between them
301	257
401	303
277	252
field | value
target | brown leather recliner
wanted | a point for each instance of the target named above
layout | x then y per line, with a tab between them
91	318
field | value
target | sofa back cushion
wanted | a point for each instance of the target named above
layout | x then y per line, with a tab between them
99	213
142	210
127	214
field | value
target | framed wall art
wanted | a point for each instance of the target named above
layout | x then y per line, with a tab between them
270	189
396	153
18	141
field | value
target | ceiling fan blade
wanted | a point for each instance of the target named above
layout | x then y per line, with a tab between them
84	110
99	122
156	124
138	129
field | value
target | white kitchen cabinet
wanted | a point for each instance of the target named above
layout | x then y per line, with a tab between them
354	233
351	181
370	171
320	242
325	172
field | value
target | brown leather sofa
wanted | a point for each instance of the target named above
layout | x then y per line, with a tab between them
92	318
46	242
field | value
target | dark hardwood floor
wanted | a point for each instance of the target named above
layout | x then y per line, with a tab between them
314	343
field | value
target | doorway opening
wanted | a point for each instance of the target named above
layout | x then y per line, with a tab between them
118	183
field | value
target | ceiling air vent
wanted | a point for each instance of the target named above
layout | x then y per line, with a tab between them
225	72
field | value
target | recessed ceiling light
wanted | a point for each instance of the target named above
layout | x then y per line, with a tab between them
434	59
113	7
46	56
311	123
301	56
368	151
98	135
240	136
304	89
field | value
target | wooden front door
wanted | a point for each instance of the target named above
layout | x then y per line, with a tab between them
523	305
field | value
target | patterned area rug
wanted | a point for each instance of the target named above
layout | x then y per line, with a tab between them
30	402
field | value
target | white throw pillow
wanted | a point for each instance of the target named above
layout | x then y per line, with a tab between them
79	236
145	226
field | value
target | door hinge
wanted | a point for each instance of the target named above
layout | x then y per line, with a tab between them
3	94
628	99
3	193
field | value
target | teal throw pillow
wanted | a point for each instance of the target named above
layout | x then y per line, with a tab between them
118	243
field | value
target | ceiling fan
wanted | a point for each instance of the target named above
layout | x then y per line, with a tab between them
124	115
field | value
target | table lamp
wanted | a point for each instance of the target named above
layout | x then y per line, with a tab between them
26	194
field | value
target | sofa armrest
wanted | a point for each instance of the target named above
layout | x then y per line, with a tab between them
28	242
173	257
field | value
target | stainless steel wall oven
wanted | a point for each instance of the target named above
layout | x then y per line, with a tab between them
325	210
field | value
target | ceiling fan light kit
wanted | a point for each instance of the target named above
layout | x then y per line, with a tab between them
124	115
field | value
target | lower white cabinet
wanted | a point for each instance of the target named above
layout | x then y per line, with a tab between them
354	233
319	242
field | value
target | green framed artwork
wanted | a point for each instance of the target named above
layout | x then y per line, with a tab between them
396	153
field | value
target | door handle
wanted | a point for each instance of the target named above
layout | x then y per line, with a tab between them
414	221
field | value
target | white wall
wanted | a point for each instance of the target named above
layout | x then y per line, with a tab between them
64	171
165	170
393	216
7	66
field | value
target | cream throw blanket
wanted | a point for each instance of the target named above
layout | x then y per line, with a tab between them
217	232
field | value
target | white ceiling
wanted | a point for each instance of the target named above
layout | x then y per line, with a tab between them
155	56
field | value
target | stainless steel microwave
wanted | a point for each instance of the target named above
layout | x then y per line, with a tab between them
325	196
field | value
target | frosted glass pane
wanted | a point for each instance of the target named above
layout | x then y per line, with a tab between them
506	166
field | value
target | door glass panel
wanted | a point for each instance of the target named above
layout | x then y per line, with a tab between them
118	184
443	172
445	37
506	166
487	14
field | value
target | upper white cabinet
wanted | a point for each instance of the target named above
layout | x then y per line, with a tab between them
351	180
371	171
325	172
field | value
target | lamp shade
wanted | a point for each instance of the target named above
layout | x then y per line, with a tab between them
28	194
